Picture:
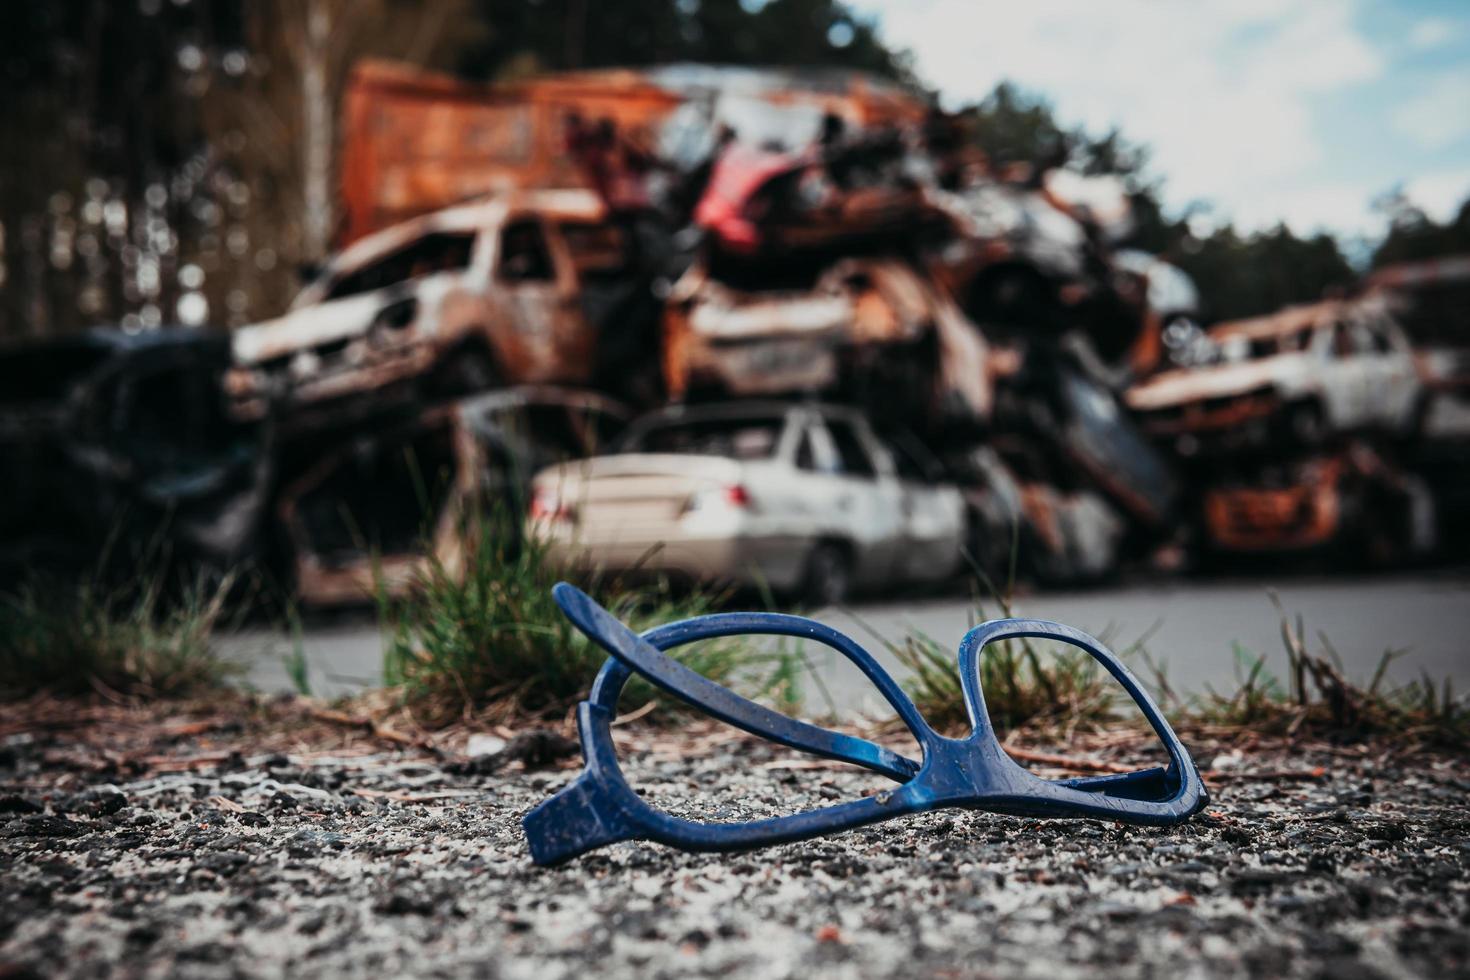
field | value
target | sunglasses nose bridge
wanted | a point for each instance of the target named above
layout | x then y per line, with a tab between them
965	769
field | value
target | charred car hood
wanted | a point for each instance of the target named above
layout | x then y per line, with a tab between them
306	328
338	319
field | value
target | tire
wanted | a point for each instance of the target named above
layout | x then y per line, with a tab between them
828	576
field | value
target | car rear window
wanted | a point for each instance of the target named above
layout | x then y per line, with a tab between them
731	438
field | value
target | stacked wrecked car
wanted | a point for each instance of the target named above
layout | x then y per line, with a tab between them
1298	432
732	327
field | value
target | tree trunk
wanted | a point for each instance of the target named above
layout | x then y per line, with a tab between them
317	142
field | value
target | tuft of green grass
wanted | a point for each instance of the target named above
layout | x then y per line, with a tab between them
141	641
1068	689
297	667
1318	698
1023	685
488	638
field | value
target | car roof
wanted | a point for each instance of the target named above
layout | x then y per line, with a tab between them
1283	322
1296	318
570	204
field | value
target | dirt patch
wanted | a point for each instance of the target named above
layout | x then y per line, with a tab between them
194	847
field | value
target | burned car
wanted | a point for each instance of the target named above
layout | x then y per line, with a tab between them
806	499
1431	300
1352	502
1059	425
507	290
115	443
1172	336
1296	377
845	195
1032	260
370	517
870	331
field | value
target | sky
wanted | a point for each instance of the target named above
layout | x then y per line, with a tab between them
1302	111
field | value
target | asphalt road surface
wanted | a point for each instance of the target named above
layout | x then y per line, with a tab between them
1192	627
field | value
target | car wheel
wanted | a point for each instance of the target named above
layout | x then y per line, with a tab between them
828	576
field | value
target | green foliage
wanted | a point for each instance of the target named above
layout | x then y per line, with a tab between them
295	662
88	637
490	638
1318	698
1067	688
1237	275
1023	685
1015	126
1250	275
566	34
1413	235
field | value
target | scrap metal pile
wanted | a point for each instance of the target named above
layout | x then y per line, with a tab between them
526	268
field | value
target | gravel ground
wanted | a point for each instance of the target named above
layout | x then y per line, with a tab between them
170	847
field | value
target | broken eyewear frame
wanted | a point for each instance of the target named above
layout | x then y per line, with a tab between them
973	772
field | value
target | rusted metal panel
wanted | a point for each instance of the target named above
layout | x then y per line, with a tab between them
1304	515
788	342
416	141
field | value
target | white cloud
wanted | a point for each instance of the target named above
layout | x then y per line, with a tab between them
1222	93
1432	32
1310	206
1440	114
1440	194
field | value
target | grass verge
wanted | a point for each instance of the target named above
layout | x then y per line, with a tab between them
130	642
487	640
1319	698
1066	689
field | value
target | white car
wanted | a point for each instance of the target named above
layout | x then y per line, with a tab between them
804	499
1304	373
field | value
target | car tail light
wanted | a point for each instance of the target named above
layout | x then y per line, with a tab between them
547	505
734	495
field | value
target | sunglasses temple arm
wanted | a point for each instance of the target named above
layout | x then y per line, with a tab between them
646	656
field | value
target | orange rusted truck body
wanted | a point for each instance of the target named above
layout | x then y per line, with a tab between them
416	141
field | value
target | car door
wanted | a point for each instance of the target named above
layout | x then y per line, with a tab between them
1343	380
548	340
867	506
1393	382
933	512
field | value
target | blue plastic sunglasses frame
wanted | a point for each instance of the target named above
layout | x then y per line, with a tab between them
974	772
